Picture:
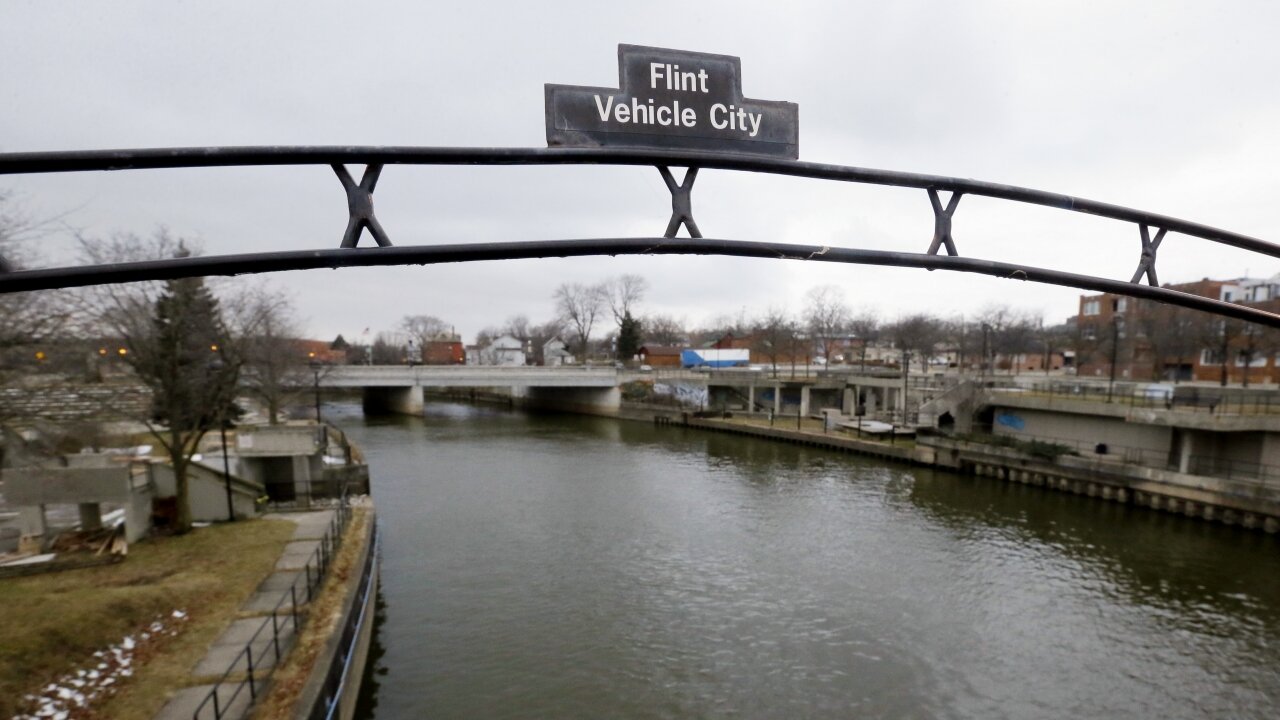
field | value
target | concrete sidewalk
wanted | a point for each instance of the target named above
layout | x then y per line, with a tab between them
278	590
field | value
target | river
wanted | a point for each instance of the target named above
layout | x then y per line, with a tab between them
552	566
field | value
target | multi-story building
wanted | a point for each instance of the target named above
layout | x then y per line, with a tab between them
1144	340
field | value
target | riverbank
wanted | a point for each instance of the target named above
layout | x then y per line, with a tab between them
1111	480
60	629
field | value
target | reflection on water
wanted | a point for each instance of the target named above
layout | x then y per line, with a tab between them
553	566
375	666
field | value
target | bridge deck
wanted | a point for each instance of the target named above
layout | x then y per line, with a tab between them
467	376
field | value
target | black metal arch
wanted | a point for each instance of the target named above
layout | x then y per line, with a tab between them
361	216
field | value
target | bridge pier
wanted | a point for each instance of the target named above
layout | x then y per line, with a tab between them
399	400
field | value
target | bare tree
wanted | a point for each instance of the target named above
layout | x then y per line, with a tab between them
826	316
1255	344
540	335
662	330
485	337
1053	338
28	321
919	335
1009	332
1169	332
774	335
866	328
30	318
579	306
267	333
622	293
958	332
388	349
177	344
425	328
517	326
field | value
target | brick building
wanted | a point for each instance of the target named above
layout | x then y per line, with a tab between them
1152	341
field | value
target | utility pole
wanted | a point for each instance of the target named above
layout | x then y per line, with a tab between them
1115	352
315	374
226	469
1226	341
982	366
906	371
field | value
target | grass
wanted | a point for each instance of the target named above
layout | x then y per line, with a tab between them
52	624
323	616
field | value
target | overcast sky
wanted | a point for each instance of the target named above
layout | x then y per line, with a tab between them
1169	107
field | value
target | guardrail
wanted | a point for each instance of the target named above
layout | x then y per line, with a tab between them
339	671
284	612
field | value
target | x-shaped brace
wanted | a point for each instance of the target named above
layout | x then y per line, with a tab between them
1148	262
360	206
942	222
681	204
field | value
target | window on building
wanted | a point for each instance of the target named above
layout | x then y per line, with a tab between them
1255	361
1088	331
1210	356
1121	304
1092	307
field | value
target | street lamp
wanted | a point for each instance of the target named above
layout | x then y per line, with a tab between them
226	469
906	372
216	366
315	375
982	366
1115	351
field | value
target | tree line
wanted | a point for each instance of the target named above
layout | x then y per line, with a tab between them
196	345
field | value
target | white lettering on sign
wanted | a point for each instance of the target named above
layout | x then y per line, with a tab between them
645	113
734	119
677	80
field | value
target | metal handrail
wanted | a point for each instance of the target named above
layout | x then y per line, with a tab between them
322	557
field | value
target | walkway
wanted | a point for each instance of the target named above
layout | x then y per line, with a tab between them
228	649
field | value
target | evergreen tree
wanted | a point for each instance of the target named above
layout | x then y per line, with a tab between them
189	364
628	337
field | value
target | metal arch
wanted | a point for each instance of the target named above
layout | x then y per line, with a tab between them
474	252
360	208
156	158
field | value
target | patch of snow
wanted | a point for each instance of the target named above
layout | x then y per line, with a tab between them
80	688
31	560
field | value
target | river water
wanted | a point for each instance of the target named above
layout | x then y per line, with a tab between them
540	566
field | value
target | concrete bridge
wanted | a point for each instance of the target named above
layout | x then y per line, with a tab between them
398	388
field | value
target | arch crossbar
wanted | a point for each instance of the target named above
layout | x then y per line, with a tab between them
361	217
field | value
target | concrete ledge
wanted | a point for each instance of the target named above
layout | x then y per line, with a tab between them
916	455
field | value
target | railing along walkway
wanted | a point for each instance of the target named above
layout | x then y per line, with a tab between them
251	648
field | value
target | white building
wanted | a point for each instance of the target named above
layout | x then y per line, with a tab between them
555	353
505	350
1251	290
